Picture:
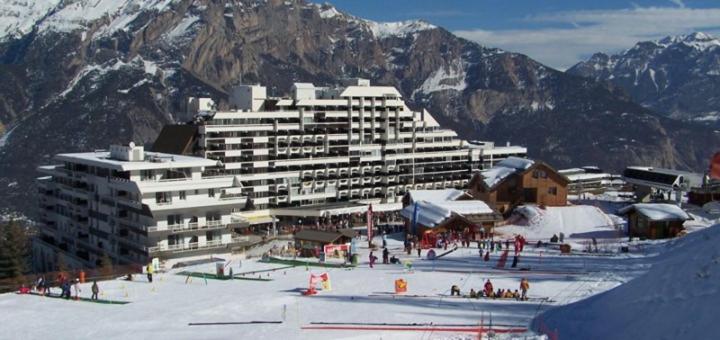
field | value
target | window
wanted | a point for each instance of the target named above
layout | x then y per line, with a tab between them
211	192
182	195
552	190
163	198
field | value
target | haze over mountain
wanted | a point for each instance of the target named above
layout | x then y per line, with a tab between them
677	75
77	76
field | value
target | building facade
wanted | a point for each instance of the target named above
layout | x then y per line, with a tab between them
133	205
325	145
321	152
516	181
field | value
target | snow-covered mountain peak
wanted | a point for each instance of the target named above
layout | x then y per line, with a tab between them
698	40
383	30
18	17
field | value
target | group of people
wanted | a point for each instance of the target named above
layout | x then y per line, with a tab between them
43	287
488	291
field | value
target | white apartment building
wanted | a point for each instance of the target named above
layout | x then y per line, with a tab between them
322	152
357	143
133	206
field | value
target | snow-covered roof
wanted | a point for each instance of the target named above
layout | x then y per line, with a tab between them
304	85
505	168
435	196
658	211
430	214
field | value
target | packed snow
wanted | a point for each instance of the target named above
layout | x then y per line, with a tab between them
677	298
578	223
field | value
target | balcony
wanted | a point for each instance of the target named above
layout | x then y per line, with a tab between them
187	247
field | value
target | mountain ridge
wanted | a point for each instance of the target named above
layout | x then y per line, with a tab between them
124	75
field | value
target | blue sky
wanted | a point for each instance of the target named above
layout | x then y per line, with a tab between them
558	33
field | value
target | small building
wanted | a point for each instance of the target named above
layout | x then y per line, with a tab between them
429	212
590	179
516	181
655	183
654	220
312	242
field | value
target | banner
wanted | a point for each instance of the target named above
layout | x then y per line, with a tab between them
370	223
330	249
715	166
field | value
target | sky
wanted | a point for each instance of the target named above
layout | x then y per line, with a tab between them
558	33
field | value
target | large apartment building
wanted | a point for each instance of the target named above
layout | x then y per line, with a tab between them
133	205
323	145
319	153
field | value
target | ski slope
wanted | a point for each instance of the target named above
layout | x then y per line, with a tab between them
677	299
163	309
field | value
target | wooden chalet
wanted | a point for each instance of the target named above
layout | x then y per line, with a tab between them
515	181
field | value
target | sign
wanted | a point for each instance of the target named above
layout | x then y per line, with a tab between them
400	286
715	166
331	249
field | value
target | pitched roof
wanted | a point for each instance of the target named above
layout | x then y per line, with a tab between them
657	211
435	195
431	214
513	165
318	236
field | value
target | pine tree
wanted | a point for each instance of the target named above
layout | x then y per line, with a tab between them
14	256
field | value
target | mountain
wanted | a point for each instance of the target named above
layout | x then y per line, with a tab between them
678	76
88	73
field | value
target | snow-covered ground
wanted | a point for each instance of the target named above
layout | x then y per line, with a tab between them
362	297
164	308
578	223
678	298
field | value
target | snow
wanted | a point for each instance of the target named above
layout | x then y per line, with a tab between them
17	17
329	12
434	196
505	168
580	222
657	211
382	30
182	28
431	214
447	77
676	299
6	136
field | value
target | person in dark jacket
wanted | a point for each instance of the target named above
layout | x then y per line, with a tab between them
386	256
95	290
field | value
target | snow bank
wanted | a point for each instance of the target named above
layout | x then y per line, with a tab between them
676	299
578	222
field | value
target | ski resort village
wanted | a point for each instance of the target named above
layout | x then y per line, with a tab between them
284	169
342	213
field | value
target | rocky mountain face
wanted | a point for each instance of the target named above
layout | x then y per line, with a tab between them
87	73
678	76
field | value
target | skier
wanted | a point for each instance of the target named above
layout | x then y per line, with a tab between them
149	272
95	290
562	237
454	290
473	294
554	239
515	261
488	288
76	288
386	256
487	256
372	259
524	286
419	250
384	240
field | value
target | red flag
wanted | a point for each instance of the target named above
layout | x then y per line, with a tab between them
715	166
370	223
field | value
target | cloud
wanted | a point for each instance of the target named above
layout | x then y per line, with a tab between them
571	36
678	3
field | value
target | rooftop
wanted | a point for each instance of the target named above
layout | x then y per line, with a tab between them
152	160
657	211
